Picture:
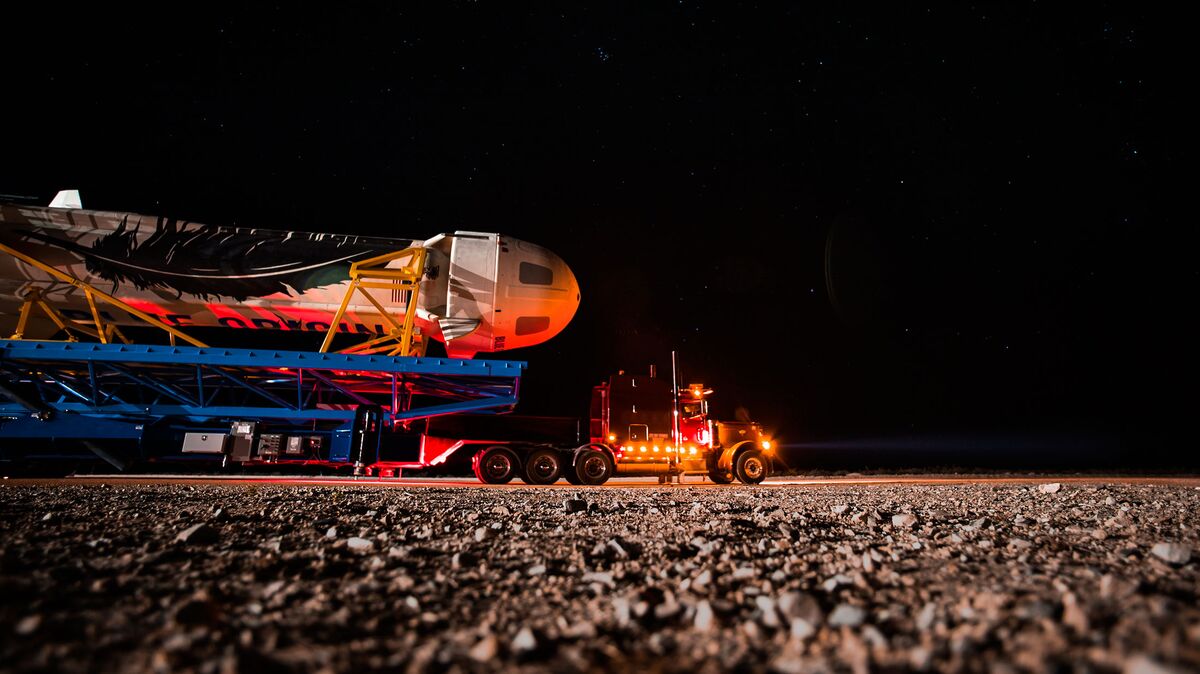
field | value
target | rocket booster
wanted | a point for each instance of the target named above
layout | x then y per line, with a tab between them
480	292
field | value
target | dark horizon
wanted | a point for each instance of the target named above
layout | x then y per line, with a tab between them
942	223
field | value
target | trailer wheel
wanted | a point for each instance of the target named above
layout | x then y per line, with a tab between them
542	466
495	465
751	467
592	466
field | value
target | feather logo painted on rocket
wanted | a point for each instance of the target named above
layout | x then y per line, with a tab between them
211	262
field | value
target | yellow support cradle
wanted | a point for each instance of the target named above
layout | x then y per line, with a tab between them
374	274
35	299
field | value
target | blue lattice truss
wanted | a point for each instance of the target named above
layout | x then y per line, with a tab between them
92	391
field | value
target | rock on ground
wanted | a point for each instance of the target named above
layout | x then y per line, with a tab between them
673	579
1173	553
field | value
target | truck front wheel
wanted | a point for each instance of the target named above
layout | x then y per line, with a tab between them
495	465
751	467
542	466
592	466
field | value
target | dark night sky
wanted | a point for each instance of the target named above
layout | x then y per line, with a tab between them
924	223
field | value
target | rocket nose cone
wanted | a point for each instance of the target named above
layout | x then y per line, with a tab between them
573	294
541	295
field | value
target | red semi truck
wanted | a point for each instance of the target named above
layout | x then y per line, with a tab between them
638	425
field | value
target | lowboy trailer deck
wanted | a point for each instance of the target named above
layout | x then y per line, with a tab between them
132	404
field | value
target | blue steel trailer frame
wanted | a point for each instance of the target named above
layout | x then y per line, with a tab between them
60	390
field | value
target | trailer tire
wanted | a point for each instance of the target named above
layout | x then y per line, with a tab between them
542	466
592	466
751	467
495	465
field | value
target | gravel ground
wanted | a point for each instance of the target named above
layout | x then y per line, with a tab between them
267	578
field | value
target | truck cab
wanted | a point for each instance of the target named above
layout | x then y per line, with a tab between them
652	428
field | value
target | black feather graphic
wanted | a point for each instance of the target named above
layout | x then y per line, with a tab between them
212	262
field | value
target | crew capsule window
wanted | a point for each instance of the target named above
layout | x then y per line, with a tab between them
528	325
536	275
